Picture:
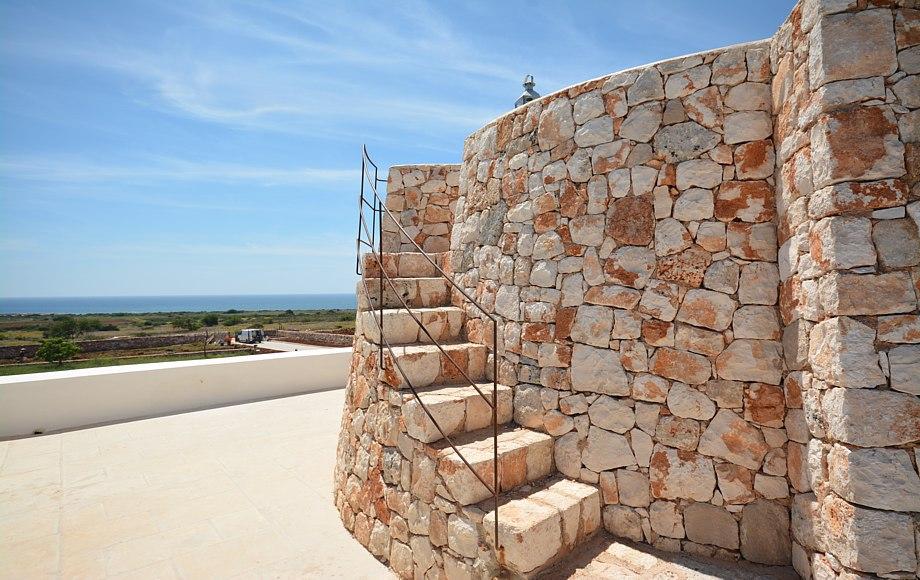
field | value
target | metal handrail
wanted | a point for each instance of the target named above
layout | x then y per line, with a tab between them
374	241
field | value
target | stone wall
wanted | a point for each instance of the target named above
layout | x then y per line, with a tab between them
107	344
706	272
846	92
423	196
311	337
623	231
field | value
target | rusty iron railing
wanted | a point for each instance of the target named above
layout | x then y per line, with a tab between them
372	239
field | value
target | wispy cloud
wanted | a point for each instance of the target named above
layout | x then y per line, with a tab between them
73	170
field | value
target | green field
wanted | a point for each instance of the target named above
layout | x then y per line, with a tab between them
26	329
108	361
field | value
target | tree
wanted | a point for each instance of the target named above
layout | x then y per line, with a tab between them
57	350
63	327
210	319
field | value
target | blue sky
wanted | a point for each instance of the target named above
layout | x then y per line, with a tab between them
212	147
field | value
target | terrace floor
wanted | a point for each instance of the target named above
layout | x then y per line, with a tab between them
239	491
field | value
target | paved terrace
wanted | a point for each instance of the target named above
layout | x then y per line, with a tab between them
240	491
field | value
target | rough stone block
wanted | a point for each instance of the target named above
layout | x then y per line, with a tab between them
852	45
675	474
871	418
856	144
842	352
709	524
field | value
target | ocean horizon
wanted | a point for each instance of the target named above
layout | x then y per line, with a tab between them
191	303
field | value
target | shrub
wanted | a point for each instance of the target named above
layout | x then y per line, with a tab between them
63	327
186	323
233	320
210	319
57	350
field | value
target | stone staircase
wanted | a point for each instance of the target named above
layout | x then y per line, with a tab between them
542	516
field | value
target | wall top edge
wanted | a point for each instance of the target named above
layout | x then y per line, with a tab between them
144	367
424	165
548	97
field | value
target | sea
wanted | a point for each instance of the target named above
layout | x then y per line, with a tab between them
198	303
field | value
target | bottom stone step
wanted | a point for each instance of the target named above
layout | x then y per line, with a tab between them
539	524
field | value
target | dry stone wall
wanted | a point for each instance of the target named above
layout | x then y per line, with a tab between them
423	197
846	93
622	231
706	273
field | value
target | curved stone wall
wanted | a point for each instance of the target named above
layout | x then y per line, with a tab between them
622	229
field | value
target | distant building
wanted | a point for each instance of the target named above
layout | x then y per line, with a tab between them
529	94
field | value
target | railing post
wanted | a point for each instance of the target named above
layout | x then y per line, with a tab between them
358	269
381	266
495	432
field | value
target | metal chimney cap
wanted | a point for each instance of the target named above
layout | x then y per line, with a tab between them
529	94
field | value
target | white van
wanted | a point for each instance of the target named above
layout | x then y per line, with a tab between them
250	336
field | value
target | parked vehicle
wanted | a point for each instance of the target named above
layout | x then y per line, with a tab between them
250	336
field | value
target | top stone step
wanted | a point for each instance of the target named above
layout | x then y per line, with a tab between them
404	264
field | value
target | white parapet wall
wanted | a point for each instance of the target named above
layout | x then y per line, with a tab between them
53	401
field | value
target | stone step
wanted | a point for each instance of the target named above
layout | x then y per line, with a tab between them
404	264
541	523
523	456
425	364
456	408
416	292
444	324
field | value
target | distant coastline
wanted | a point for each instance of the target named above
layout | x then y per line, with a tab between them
196	303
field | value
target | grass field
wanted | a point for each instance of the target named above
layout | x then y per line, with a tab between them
26	329
109	361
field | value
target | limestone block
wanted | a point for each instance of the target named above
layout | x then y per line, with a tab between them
755	160
689	403
684	141
877	478
680	365
595	132
764	405
711	236
747	126
694	204
758	322
899	329
871	418
630	266
726	394
611	414
705	342
732	438
677	432
749	97
856	144
631	220
606	450
751	360
868	540
904	362
771	487
707	309
759	283
666	519
841	243
735	483
722	276
852	45
854	197
567	453
752	241
642	446
729	68
845	294
647	387
598	370
605	158
618	297
709	524
677	474
623	522
765	533
842	352
556	124
642	122
587	107
698	173
660	300
592	325
633	488
462	536
897	243
705	107
671	237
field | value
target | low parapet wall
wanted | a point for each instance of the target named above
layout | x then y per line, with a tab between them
310	337
67	399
